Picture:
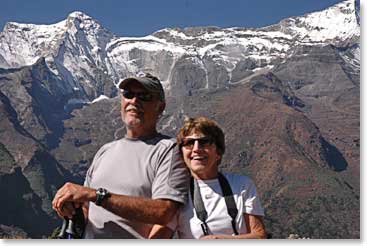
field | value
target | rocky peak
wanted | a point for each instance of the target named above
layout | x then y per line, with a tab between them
79	15
79	21
197	31
332	25
23	44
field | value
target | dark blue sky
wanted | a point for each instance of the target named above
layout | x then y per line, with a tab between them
142	17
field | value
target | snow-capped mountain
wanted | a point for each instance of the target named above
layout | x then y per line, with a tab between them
90	59
337	23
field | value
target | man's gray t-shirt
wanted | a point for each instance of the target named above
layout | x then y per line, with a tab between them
150	168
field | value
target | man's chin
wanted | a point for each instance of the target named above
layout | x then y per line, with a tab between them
133	123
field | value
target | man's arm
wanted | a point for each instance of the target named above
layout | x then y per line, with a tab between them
158	211
151	211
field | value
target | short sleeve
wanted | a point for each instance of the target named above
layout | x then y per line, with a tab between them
251	200
96	159
88	177
172	177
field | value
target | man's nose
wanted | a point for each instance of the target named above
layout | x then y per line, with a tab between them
134	100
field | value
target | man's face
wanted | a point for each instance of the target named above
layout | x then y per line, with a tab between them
138	114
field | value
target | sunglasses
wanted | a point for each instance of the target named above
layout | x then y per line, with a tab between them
190	142
143	96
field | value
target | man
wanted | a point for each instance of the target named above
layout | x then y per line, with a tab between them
134	182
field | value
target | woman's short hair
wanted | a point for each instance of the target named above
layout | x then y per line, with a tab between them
205	126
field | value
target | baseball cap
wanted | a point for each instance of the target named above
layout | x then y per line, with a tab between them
150	83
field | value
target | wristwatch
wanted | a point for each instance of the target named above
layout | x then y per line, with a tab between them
102	194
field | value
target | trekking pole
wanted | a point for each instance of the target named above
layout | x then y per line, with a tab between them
70	230
62	234
73	228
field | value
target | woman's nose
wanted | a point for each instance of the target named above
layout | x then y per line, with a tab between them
196	146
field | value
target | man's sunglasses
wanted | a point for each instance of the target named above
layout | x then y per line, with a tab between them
144	96
190	142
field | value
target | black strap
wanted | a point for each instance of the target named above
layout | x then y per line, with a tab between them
230	203
199	204
197	200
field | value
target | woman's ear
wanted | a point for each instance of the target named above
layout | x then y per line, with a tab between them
218	157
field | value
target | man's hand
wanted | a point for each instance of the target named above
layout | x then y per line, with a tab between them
67	210
71	196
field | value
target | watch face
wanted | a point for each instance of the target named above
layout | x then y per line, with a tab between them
101	195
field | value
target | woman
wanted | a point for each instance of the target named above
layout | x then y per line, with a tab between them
208	214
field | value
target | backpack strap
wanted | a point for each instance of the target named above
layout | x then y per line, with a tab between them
229	199
198	203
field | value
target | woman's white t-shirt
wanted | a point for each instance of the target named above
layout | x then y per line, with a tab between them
246	198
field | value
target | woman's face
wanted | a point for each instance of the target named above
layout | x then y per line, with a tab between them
201	156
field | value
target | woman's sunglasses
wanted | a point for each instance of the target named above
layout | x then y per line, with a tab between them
144	96
190	142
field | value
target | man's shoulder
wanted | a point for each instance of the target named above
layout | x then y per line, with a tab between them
166	140
106	147
111	144
162	141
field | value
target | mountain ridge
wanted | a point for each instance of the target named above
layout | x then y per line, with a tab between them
95	47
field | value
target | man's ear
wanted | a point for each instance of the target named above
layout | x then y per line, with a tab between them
161	108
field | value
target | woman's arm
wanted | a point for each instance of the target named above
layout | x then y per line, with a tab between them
255	229
160	232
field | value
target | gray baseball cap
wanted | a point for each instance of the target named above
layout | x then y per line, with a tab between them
150	83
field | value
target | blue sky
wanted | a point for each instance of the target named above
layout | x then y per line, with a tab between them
142	17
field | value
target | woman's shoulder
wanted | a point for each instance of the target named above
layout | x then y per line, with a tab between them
237	177
238	181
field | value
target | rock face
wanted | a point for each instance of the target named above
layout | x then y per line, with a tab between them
31	110
286	95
